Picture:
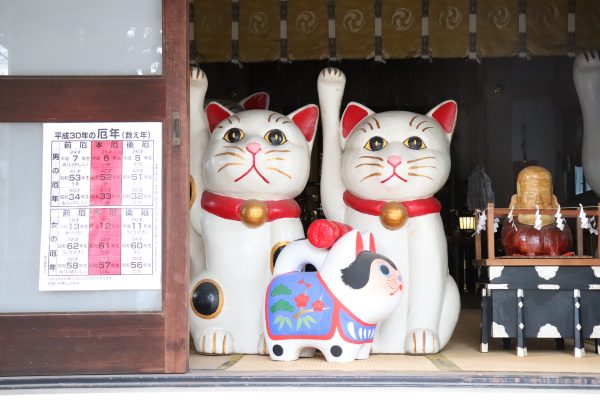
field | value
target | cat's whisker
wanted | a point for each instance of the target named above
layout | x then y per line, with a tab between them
228	165
372	175
422	158
422	166
279	171
276	159
276	151
419	175
229	153
372	157
234	147
371	164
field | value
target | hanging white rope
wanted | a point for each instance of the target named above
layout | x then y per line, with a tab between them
538	219
481	222
587	223
560	221
511	218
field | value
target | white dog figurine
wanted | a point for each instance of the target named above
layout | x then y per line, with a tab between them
334	310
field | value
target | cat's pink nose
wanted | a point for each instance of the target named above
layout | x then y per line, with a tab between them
253	147
394	160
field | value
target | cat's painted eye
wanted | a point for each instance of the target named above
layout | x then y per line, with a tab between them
233	135
376	143
275	137
414	143
384	270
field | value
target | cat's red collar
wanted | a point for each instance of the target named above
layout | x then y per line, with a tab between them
392	214
251	212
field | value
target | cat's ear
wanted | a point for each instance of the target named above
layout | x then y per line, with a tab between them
256	101
307	119
353	114
445	114
215	113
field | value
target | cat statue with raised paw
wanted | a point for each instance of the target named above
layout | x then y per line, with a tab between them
380	172
334	310
198	141
253	163
586	75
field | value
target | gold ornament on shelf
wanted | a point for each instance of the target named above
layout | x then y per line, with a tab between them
253	213
393	215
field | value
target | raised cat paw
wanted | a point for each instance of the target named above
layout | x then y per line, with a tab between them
196	74
214	341
589	59
586	72
421	341
332	76
198	86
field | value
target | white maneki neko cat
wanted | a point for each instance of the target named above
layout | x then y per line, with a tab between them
379	174
198	142
247	168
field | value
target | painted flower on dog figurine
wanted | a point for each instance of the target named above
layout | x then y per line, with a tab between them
336	309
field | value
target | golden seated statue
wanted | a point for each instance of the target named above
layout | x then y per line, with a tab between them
534	188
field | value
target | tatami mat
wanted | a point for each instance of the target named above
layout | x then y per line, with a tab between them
381	362
461	354
542	356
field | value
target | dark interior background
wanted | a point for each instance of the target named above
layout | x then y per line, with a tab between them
504	104
510	111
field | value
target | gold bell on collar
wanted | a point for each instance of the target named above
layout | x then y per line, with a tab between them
393	215
253	213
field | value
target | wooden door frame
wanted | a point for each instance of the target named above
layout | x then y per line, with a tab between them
114	342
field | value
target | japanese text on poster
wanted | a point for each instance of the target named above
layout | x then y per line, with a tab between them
101	206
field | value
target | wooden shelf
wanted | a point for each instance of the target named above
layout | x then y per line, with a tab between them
578	261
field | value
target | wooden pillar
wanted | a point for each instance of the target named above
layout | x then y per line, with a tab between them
579	239
490	231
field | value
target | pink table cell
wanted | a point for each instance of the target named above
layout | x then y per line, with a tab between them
104	248
105	173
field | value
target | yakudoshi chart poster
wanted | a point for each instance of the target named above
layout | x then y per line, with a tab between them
101	206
